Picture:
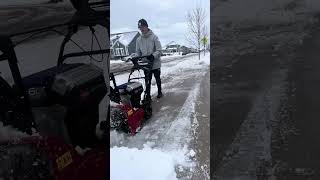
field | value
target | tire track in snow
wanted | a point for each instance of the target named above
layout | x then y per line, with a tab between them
179	132
250	153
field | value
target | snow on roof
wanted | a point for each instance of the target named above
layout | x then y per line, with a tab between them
124	38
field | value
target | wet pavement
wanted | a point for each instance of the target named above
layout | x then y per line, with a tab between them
264	86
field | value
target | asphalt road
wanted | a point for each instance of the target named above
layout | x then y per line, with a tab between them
298	152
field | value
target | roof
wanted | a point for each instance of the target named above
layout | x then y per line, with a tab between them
170	45
124	38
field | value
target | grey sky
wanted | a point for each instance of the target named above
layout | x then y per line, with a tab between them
167	18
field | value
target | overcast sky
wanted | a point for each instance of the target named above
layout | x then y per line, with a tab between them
167	18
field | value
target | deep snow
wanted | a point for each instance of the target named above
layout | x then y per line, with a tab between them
143	164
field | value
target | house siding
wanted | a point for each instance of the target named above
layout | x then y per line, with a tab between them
127	50
132	45
117	52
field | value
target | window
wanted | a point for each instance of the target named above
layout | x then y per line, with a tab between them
119	52
116	52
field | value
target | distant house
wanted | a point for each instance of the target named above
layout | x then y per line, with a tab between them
123	44
171	48
185	50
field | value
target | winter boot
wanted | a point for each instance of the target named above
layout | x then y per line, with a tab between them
159	95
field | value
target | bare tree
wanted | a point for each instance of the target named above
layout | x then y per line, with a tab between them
205	38
196	21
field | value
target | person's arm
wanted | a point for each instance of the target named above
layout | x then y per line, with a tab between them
158	48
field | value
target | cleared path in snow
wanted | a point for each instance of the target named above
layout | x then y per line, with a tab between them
173	127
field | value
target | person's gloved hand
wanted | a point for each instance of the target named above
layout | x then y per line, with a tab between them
134	60
150	57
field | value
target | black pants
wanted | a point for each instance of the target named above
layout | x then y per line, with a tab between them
156	73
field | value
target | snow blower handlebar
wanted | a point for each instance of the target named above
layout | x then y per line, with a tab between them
140	63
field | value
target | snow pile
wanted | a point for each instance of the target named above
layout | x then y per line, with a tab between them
205	59
116	62
145	164
170	57
116	138
190	63
10	133
177	134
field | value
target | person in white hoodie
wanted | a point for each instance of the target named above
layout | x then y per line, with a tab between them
148	44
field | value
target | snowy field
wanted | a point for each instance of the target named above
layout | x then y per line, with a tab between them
166	137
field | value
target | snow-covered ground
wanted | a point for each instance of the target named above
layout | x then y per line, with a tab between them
171	129
249	27
119	65
143	164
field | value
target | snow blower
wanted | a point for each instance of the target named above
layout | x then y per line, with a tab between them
128	111
60	104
